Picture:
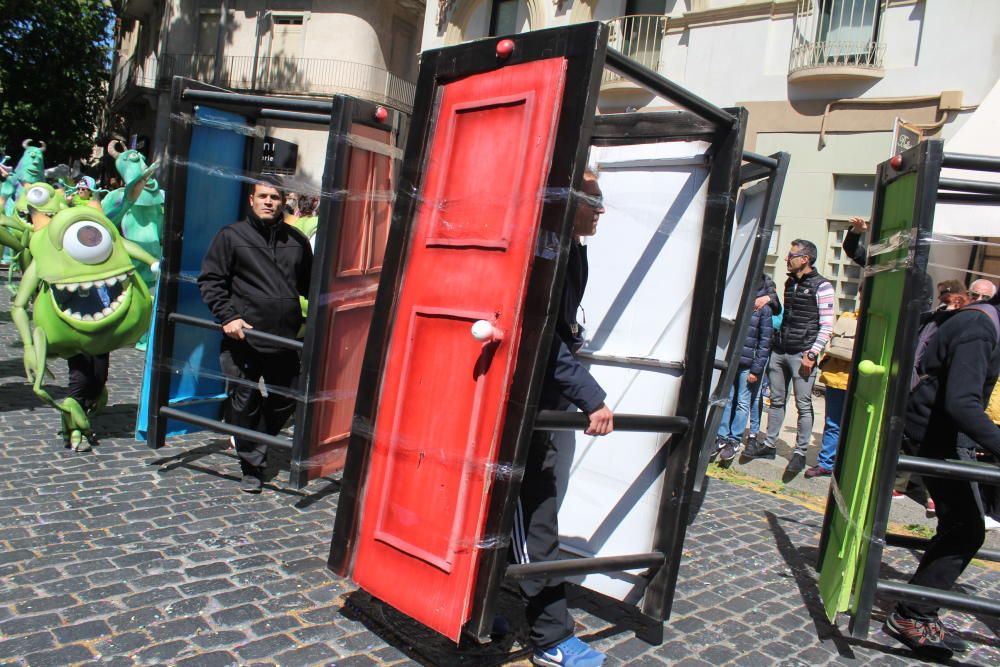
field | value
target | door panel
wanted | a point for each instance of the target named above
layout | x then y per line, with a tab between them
852	491
351	297
443	394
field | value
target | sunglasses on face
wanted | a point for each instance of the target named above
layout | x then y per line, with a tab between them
793	255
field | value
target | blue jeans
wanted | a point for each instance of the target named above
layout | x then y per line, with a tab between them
734	421
831	429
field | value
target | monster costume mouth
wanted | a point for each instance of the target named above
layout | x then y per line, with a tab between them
91	300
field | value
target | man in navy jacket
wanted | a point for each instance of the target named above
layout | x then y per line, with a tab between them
567	384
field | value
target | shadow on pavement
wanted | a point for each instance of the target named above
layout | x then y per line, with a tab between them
802	562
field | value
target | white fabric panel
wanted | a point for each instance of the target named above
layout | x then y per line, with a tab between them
638	304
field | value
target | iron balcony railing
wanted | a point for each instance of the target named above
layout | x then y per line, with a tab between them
638	37
837	33
279	75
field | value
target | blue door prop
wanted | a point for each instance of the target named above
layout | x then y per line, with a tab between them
213	201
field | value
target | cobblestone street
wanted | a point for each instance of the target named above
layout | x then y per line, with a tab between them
125	556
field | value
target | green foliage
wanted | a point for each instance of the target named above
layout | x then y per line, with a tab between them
54	69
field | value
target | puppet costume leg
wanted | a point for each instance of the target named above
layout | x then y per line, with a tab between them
88	378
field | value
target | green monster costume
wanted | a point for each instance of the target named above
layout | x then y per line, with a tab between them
87	299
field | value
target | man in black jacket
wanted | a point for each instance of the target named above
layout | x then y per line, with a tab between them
251	279
958	371
567	383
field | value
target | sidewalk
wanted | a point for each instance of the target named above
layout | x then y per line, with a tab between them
125	556
905	512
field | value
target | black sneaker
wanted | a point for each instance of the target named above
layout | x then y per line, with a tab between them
251	484
758	450
730	448
925	638
796	465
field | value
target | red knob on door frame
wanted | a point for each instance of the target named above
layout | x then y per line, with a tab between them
485	332
896	162
505	47
381	114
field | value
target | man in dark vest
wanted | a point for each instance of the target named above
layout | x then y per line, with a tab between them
805	331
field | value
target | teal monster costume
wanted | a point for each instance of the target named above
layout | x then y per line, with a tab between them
142	222
87	299
30	169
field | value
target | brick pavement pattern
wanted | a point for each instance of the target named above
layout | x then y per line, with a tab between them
125	556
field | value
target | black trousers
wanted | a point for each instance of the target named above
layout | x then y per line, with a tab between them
535	539
248	407
88	374
960	534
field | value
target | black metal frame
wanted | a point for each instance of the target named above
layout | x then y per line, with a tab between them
774	168
926	160
584	47
339	114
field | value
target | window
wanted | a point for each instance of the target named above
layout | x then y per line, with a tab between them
852	195
837	33
208	32
633	7
849	27
503	18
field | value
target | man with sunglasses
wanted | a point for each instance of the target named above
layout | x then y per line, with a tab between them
805	331
982	290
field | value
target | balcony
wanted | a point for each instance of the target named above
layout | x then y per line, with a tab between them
837	39
282	76
638	37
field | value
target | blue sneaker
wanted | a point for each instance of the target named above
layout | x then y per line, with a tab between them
569	653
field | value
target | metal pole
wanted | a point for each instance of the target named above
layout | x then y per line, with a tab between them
223	427
966	161
969	472
574	566
259	101
969	186
762	160
976	605
295	116
561	420
288	343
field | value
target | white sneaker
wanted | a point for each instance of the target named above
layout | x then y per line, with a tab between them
991	523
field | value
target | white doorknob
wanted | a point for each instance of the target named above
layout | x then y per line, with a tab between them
485	332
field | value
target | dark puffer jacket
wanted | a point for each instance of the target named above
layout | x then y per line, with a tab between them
757	345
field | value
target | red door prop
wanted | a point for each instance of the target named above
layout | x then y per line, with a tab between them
351	296
443	393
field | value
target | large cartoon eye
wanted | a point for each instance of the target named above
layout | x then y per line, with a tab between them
87	242
38	196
